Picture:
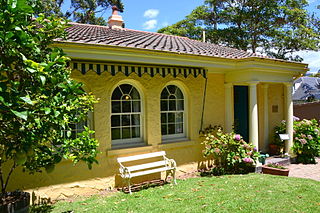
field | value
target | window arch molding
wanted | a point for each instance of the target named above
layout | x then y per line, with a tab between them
133	140
184	91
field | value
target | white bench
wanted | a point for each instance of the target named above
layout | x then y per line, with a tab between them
165	164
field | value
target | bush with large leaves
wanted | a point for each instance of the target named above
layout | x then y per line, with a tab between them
38	100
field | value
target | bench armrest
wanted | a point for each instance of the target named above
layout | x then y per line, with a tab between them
124	171
170	163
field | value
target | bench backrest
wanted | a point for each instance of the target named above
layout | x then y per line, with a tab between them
141	157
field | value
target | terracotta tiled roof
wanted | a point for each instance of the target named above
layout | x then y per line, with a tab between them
103	35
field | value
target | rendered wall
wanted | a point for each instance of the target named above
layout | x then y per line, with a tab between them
67	180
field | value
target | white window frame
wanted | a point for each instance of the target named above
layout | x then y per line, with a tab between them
130	142
179	136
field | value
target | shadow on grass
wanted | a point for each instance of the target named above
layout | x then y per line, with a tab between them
143	185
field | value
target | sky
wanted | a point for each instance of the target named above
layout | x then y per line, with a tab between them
151	15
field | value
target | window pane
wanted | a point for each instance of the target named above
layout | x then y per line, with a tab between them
171	129
164	105
136	106
179	128
180	105
126	133
135	94
116	107
135	120
125	119
172	89
179	94
172	105
115	120
163	117
135	132
115	132
116	95
164	129
126	106
172	97
171	117
179	117
164	94
126	88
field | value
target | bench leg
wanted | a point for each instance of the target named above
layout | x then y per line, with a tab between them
174	176
127	180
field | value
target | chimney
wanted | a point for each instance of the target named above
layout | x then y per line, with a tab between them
115	21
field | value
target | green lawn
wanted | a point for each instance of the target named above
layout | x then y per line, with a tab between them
238	193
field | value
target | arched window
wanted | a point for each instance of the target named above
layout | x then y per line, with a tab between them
126	116
172	113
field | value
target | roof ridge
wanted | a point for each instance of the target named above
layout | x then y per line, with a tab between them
127	29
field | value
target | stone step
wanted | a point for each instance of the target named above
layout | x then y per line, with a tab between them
278	160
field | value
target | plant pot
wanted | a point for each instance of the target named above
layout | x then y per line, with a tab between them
275	171
15	202
274	149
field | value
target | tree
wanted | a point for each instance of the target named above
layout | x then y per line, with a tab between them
82	11
277	28
38	100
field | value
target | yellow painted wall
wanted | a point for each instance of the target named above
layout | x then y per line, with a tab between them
67	179
276	98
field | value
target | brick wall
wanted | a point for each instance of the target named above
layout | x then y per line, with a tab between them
307	110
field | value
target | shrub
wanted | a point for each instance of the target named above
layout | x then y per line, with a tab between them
231	154
306	141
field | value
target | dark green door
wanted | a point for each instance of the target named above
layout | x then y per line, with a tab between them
241	114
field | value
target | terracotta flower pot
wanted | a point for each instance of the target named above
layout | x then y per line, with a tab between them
275	171
274	149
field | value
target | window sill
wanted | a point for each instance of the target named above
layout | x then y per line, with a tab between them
177	143
128	150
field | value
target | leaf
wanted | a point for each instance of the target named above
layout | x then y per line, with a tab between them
68	134
46	110
43	79
27	100
23	115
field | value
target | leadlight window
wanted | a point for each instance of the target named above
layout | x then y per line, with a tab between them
172	112
126	115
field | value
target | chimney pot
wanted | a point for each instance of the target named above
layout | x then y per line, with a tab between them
115	20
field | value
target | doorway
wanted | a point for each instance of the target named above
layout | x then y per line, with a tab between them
241	112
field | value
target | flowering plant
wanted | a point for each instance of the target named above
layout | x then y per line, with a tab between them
230	151
306	141
276	165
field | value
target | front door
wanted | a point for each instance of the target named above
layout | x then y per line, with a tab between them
241	114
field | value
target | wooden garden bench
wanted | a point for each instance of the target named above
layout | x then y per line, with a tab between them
155	166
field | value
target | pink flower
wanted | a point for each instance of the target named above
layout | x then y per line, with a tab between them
303	135
310	137
217	150
237	137
208	146
303	141
247	160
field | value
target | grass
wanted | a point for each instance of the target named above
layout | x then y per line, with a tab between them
237	193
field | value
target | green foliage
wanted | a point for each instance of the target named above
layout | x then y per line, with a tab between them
276	28
82	11
230	152
38	100
306	142
275	165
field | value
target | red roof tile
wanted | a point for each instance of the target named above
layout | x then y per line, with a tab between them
94	34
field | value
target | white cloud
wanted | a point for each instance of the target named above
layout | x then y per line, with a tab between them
312	58
149	25
151	13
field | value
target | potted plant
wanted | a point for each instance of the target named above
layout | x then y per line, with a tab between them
277	145
275	169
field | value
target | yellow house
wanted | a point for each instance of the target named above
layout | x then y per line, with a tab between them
156	92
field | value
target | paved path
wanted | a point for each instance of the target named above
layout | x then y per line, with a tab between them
311	171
